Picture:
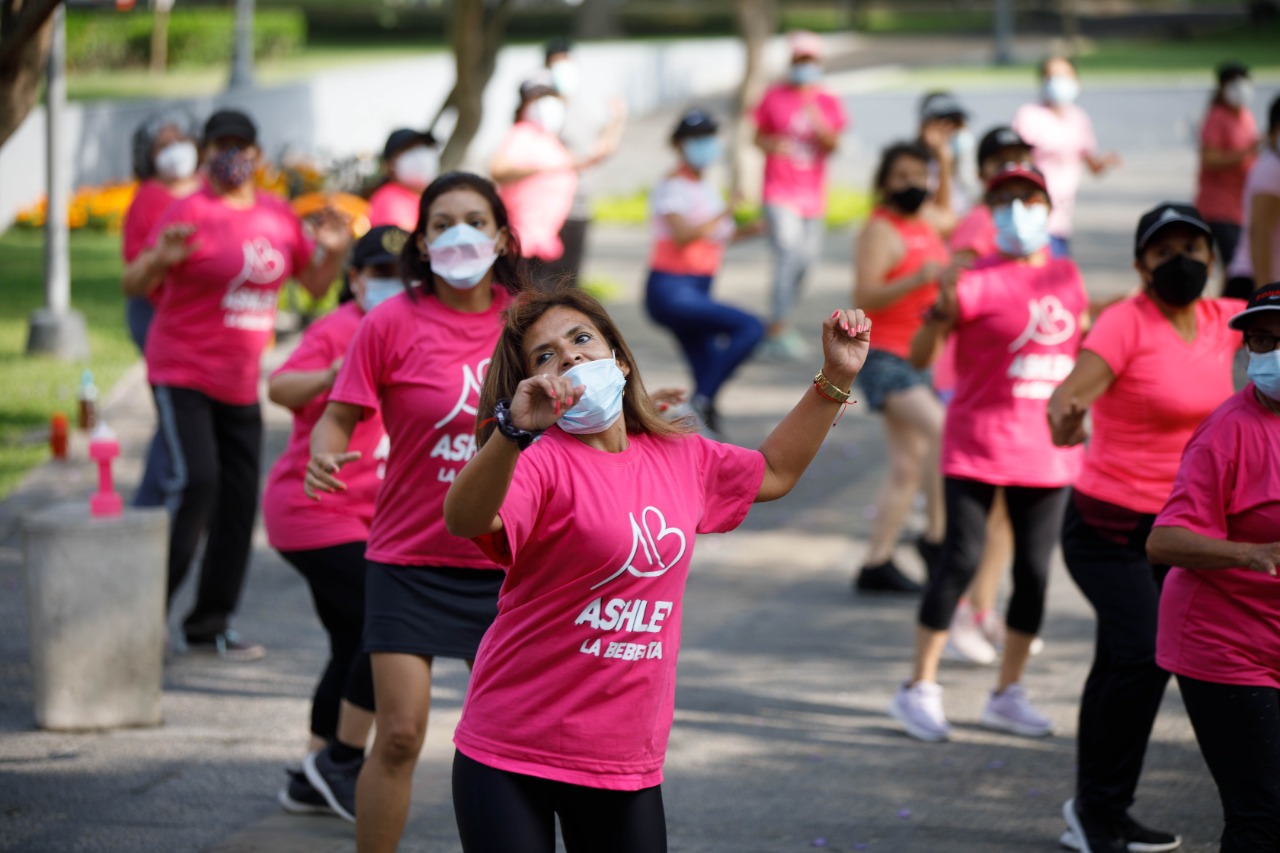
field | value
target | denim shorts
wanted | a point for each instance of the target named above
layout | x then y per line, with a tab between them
885	373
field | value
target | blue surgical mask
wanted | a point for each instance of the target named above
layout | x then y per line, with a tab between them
806	73
700	151
1264	372
379	290
462	255
1061	89
601	404
1021	229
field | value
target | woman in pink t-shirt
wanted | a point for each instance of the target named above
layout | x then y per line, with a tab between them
898	259
536	174
1228	147
570	706
418	360
691	226
164	160
1017	318
326	541
1220	609
411	162
1152	368
219	257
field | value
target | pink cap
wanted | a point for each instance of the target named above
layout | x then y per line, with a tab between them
805	44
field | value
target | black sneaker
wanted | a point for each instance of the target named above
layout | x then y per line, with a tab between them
1092	833
300	797
335	782
885	577
229	646
1137	838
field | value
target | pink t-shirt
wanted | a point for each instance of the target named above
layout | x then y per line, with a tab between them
1164	387
976	233
1060	141
217	308
1017	332
1221	191
394	204
1223	625
697	202
421	364
1264	179
539	204
149	203
796	177
293	521
575	681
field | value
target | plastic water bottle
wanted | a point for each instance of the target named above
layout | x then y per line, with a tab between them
88	401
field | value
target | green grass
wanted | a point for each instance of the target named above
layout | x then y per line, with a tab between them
34	388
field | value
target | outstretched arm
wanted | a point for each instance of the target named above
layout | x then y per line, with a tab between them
846	337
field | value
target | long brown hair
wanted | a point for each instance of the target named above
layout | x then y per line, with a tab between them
508	367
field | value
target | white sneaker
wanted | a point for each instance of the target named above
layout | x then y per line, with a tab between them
966	641
1011	711
919	708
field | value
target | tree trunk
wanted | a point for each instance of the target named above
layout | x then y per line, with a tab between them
476	37
160	38
25	29
597	20
757	20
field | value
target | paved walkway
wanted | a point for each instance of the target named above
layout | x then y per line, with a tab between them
780	741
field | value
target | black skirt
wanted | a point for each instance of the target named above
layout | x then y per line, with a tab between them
428	610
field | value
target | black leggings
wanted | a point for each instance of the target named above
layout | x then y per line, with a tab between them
502	812
336	577
1238	729
1036	517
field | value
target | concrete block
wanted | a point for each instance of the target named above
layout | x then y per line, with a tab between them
96	610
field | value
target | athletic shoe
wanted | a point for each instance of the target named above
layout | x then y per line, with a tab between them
229	646
885	577
966	643
300	797
786	348
919	708
1134	837
335	782
1011	711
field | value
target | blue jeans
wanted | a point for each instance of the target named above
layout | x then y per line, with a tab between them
797	243
1059	247
138	312
715	337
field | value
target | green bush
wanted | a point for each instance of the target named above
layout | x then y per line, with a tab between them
203	36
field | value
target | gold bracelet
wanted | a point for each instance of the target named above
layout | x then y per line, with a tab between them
824	387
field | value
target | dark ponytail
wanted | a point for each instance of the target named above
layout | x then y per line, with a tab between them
415	265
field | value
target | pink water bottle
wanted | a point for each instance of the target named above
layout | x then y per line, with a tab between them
103	447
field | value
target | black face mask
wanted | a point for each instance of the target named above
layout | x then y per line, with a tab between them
909	200
1179	281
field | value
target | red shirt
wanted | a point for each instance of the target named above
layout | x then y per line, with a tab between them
293	521
217	308
1220	193
421	364
897	324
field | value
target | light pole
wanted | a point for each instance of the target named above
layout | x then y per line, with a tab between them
56	329
242	49
1004	32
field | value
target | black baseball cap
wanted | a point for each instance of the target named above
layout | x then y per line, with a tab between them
380	245
1265	298
1229	71
695	122
997	138
936	105
1163	215
538	85
225	123
403	138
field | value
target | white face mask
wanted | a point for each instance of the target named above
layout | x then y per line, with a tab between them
379	290
1061	89
176	161
601	404
566	77
1238	93
547	113
416	167
462	255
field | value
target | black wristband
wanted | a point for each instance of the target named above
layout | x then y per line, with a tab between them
522	438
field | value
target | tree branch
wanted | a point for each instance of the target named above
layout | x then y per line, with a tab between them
22	19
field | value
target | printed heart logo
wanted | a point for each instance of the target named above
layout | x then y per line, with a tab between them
649	537
1049	323
263	263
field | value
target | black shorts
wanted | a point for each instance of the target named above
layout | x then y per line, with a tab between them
885	373
428	610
